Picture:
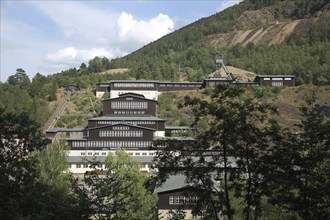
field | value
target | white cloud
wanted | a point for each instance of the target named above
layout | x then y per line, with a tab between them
70	57
51	36
142	32
108	33
226	4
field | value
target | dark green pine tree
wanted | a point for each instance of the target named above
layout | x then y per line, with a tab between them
299	166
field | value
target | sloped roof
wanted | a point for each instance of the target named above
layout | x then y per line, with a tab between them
287	76
61	129
133	81
129	94
127	118
177	182
125	124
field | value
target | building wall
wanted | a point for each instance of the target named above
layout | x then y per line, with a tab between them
120	132
177	86
164	205
99	94
65	134
110	106
92	123
275	81
153	124
101	88
149	94
164	200
82	166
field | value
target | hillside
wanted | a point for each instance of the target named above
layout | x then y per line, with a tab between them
275	33
266	37
257	37
286	99
264	27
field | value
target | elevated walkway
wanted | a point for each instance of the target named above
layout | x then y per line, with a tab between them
52	121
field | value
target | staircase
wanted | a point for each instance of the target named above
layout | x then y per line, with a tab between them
52	121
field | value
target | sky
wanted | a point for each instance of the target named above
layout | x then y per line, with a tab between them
47	37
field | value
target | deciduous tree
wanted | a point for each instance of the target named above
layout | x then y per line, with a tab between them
120	193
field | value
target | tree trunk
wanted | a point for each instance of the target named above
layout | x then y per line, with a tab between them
227	200
249	184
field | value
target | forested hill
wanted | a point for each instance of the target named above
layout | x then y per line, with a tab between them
303	52
261	36
300	29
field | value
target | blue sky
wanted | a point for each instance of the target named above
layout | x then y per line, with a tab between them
51	36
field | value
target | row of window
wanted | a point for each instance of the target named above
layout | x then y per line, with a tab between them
137	92
91	153
135	85
181	200
277	83
114	144
129	153
129	105
99	166
129	112
128	122
179	85
121	133
268	78
120	128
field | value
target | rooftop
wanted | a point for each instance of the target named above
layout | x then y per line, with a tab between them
127	118
60	129
286	76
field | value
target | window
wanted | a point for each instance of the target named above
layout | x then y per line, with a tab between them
78	166
90	153
134	85
104	153
85	166
277	83
97	154
180	200
82	153
120	133
137	154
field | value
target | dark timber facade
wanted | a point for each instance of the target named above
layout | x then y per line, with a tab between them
151	88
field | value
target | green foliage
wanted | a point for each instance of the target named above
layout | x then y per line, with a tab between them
233	128
32	182
20	79
265	92
178	214
52	164
299	181
167	108
305	54
71	121
18	95
20	137
121	193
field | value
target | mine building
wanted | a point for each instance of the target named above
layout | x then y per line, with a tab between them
128	122
275	80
